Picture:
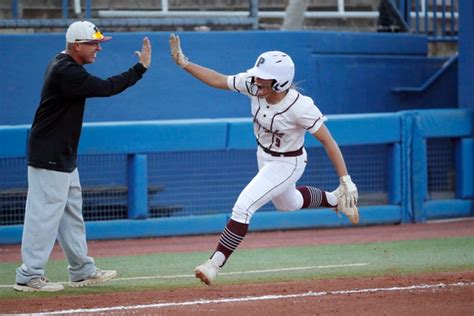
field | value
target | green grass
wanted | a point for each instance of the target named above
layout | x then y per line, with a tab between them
389	258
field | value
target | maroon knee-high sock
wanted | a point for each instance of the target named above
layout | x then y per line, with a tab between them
231	237
313	197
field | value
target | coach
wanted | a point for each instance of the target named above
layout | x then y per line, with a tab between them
54	200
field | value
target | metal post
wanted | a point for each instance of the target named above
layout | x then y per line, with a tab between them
443	18
77	8
417	13
452	17
340	6
137	186
164	5
65	8
402	5
426	17
395	174
14	9
253	12
88	9
466	55
408	13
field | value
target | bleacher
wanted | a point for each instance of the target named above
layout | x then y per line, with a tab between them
153	15
438	19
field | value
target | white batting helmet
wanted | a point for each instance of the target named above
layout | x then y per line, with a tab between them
275	65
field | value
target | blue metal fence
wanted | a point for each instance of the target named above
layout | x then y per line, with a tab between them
436	18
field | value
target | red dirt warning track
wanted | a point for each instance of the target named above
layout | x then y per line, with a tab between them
455	296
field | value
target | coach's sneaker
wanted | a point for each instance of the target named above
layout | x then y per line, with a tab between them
39	284
207	272
99	276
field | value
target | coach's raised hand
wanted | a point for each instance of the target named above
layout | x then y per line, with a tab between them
145	54
176	51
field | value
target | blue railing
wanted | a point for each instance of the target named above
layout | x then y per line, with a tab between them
436	18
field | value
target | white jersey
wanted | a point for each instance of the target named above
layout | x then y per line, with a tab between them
280	127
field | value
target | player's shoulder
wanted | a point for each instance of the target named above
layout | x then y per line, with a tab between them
303	100
240	82
305	104
241	77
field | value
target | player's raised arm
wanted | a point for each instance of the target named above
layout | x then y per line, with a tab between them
206	75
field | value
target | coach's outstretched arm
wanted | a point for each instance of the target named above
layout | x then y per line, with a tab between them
206	75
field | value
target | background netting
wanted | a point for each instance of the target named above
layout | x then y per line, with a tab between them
209	182
441	169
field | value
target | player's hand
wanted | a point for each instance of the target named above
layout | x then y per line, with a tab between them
176	52
348	190
144	55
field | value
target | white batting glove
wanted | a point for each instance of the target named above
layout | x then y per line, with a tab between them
348	190
176	52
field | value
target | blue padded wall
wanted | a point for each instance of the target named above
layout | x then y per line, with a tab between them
342	72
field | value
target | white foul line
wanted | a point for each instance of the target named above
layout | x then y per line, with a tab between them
245	272
178	276
260	298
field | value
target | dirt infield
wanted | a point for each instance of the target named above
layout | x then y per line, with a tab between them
434	294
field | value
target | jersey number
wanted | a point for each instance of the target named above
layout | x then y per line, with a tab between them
277	142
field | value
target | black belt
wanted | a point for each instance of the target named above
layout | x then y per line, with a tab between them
295	153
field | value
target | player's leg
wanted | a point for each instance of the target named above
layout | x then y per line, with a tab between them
310	197
45	203
274	177
302	197
72	238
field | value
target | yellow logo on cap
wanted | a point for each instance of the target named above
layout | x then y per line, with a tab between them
98	34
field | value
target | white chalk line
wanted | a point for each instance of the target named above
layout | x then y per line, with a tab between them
179	276
260	298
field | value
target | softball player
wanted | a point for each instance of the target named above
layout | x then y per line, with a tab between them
281	117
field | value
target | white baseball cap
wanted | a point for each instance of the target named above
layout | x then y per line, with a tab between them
85	32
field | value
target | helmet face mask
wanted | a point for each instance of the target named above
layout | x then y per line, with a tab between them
277	66
254	88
